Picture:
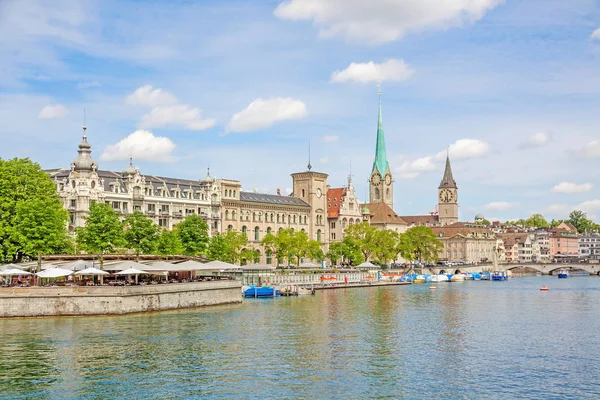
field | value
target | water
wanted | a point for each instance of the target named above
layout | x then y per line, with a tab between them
472	340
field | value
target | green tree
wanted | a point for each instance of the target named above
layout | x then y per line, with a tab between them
193	232
218	249
419	243
350	252
229	247
103	231
384	245
141	234
282	244
28	199
363	236
168	243
580	221
536	221
556	222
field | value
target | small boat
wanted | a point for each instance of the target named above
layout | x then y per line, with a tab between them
295	291
563	274
262	291
500	276
458	278
439	278
486	276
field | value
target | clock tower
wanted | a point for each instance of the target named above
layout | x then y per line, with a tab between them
448	197
381	183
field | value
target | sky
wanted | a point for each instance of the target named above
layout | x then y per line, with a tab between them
511	89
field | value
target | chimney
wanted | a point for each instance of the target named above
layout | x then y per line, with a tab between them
279	191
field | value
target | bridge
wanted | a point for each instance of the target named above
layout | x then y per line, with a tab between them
546	269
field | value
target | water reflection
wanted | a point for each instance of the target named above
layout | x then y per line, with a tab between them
465	341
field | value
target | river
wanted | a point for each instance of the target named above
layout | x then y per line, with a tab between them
471	340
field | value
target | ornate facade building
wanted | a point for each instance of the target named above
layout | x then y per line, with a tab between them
343	210
221	202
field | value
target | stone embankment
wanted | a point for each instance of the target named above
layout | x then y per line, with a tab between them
106	300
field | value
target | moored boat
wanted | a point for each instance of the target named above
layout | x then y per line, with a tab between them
500	276
262	291
458	278
439	278
563	274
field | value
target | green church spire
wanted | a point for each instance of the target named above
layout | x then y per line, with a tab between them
381	163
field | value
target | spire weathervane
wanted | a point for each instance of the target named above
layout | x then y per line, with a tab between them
84	126
309	166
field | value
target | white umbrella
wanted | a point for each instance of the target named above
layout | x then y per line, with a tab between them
79	265
54	273
49	266
14	271
91	271
132	271
366	264
219	265
124	265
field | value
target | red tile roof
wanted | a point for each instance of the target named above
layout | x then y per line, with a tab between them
426	220
335	199
381	213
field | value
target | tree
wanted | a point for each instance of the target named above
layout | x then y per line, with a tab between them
168	243
281	244
193	232
580	221
141	234
536	221
229	247
384	242
28	200
420	243
556	222
351	254
103	231
362	236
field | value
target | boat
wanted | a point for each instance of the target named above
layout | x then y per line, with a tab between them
500	276
563	274
486	276
262	291
295	291
458	278
439	278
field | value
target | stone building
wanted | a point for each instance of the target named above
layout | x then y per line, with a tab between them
166	201
466	242
343	210
589	247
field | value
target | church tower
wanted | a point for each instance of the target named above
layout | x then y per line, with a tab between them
381	184
448	197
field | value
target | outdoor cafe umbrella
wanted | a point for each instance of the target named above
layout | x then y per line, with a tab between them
10	266
54	273
92	271
14	271
79	265
132	271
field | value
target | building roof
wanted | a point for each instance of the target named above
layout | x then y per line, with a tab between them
510	239
272	199
380	164
381	213
463	229
425	220
335	199
448	180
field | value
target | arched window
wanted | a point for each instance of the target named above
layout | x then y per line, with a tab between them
253	217
256	233
244	229
230	228
377	194
233	214
387	193
302	192
319	235
272	216
305	219
227	214
268	230
277	218
269	254
294	219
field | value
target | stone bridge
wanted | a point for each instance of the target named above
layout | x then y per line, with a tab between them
546	269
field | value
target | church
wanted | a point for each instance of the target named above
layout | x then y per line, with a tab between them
462	241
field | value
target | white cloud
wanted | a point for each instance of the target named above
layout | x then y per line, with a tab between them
390	70
324	160
464	149
590	150
539	139
499	205
87	85
146	96
589	206
264	113
412	169
382	20
176	115
557	209
596	34
50	112
141	145
570	187
330	138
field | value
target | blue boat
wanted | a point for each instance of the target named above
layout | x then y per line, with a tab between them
500	276
263	291
563	274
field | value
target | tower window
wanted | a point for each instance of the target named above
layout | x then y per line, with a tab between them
377	194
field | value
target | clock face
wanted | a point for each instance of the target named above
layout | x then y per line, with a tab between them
319	193
388	179
446	196
376	179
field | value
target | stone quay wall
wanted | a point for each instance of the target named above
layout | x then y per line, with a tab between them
105	300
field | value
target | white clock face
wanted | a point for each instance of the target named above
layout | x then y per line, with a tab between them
376	179
319	194
388	179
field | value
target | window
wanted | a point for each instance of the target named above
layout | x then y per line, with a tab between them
333	236
256	233
303	194
227	214
387	193
277	218
163	222
233	215
253	217
269	254
151	207
125	206
73	203
244	229
230	228
333	225
377	194
268	230
319	235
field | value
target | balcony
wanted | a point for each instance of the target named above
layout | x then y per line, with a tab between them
138	197
72	208
151	212
164	213
178	214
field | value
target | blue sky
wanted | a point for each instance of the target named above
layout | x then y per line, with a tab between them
513	87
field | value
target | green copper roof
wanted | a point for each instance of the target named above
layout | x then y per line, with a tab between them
381	163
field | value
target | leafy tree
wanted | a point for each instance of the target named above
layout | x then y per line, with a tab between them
580	221
351	254
250	254
420	243
536	221
218	249
363	236
103	231
556	222
21	182
168	243
229	247
141	234
281	244
485	222
193	232
384	245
